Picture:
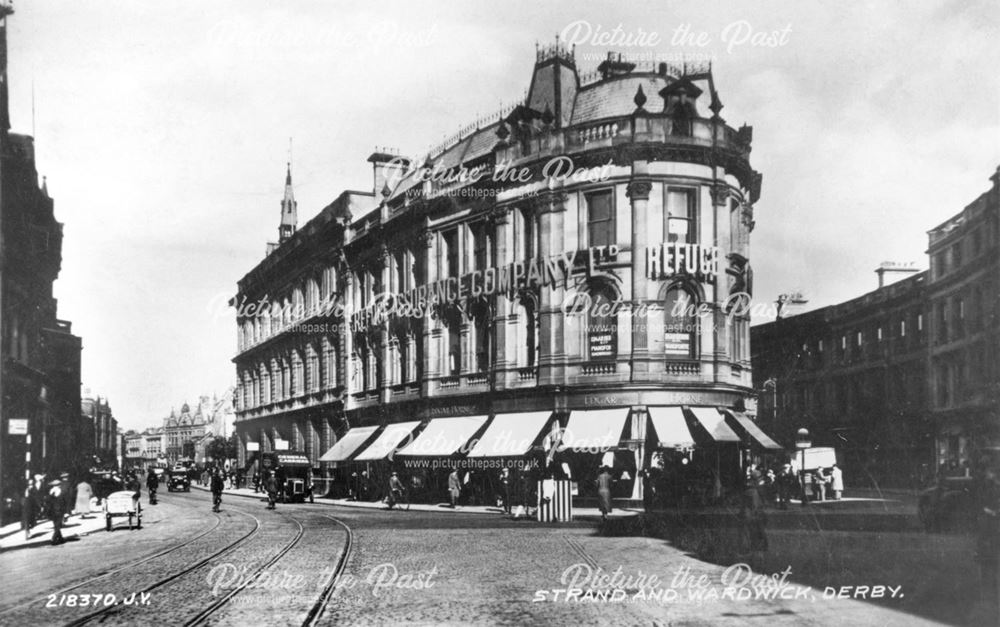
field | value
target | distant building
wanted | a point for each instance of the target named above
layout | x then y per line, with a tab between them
101	426
854	374
40	377
904	380
963	304
211	416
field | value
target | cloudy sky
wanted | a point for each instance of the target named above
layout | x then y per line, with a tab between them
163	129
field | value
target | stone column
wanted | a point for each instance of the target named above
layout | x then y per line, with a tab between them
347	336
500	217
432	327
638	193
551	210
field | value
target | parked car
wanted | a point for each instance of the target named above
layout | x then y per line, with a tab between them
948	506
179	480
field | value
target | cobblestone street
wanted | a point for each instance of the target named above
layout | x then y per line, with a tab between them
414	567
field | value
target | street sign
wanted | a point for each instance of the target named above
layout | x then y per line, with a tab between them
253	447
17	426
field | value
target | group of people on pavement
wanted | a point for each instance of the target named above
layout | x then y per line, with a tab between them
53	498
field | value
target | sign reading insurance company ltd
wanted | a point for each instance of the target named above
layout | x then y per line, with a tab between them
662	261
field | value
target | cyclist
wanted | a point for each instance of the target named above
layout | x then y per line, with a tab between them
218	484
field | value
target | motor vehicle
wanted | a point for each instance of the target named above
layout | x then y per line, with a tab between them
948	506
293	472
179	480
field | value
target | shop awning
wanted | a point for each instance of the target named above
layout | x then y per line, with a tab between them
755	432
715	424
444	436
670	427
388	441
594	430
347	445
510	435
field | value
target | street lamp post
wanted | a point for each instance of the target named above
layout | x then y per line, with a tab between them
802	442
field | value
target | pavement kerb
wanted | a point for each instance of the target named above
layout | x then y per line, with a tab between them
578	514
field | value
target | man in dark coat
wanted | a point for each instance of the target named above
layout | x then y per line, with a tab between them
152	483
55	505
271	487
30	505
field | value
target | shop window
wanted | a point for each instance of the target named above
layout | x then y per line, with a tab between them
600	218
680	215
602	324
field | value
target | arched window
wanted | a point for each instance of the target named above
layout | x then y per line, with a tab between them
680	323
265	397
296	374
276	317
312	296
329	364
298	305
602	323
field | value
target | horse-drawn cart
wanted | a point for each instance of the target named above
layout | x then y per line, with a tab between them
123	503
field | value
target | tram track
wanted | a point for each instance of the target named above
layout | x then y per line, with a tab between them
111	610
316	612
114	571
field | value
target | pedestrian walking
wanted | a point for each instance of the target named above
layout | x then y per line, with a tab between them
822	479
836	482
271	487
786	484
83	495
505	485
454	487
604	481
152	484
396	491
55	506
217	486
31	504
753	522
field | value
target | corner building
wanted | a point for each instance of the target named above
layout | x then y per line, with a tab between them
573	253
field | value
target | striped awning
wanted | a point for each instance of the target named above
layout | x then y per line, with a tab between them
670	427
444	437
348	444
387	443
594	430
510	435
715	423
753	431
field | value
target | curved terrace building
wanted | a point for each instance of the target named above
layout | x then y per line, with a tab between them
565	265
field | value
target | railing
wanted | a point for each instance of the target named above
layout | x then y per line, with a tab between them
450	382
599	367
527	374
683	367
479	378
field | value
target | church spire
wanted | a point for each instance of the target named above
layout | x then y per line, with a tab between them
289	213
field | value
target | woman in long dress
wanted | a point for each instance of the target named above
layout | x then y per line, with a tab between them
604	492
83	495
